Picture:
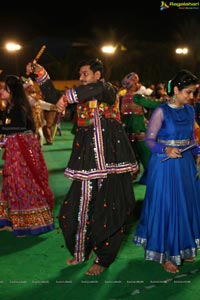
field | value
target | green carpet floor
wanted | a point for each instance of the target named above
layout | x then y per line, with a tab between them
34	267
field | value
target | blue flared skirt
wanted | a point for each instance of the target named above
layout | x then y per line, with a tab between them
169	225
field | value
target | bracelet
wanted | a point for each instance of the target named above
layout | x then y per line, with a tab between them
164	149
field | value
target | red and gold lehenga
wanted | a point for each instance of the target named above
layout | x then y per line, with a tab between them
26	201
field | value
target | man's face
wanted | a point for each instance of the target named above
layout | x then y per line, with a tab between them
86	75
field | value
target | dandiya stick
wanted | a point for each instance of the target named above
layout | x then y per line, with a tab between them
39	54
183	150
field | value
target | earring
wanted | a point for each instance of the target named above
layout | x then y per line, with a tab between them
174	99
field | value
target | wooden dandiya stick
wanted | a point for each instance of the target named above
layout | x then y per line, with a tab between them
56	125
39	54
183	150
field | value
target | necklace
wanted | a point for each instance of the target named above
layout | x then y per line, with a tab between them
175	106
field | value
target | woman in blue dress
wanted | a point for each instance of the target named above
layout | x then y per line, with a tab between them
169	225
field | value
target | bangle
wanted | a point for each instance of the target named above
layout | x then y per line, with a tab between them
164	149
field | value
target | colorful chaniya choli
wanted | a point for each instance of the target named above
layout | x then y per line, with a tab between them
26	199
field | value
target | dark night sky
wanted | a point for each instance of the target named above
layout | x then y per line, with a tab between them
145	21
139	20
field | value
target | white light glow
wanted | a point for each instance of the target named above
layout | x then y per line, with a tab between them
108	49
13	47
181	50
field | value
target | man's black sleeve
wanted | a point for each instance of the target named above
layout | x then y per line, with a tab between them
51	94
101	91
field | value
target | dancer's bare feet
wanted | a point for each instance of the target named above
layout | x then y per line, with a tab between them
169	267
95	270
72	261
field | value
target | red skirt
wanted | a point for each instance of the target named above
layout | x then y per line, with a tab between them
26	201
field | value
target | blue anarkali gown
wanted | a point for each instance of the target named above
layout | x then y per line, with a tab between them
169	225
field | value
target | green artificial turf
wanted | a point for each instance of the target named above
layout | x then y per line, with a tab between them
34	267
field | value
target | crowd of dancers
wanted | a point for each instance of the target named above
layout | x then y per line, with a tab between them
118	132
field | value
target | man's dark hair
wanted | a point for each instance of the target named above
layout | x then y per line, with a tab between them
94	63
